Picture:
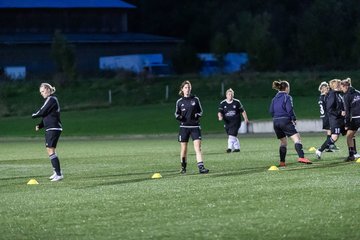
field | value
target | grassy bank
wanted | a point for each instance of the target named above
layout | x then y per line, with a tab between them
22	98
147	119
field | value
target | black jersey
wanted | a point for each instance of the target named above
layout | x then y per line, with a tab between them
322	105
334	107
352	104
188	111
231	112
50	113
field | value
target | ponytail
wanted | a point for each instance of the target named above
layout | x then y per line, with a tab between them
280	85
48	86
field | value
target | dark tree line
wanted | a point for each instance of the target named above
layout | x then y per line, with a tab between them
277	34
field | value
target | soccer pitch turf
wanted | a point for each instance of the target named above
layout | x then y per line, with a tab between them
108	193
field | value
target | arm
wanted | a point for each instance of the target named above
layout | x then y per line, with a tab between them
245	117
290	108
347	109
220	116
45	109
220	113
271	108
243	113
199	111
178	111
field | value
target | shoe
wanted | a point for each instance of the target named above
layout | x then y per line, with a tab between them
228	150
52	176
304	160
350	159
203	170
329	150
334	147
237	150
356	155
57	178
183	170
318	154
282	164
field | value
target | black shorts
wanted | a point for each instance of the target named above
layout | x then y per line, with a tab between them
325	123
284	128
354	124
51	138
232	130
185	133
337	126
338	130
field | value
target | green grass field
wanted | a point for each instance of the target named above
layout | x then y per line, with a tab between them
108	192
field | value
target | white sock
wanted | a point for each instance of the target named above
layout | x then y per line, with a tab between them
236	143
230	143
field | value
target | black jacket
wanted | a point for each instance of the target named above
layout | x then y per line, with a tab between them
352	104
188	111
50	113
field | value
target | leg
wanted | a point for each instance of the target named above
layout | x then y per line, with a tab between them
351	146
199	157
55	162
236	144
282	151
299	149
183	154
230	144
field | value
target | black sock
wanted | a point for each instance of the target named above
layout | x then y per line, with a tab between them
326	144
183	163
55	163
354	145
282	152
200	165
327	139
351	151
299	150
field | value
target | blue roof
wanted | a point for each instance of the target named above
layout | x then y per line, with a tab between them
64	4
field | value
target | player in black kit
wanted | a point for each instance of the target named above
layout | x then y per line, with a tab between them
188	112
352	116
50	114
230	110
336	112
324	93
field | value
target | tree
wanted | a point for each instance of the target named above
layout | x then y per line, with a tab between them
185	60
251	34
63	54
220	47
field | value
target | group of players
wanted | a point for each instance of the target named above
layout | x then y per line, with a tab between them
340	112
339	108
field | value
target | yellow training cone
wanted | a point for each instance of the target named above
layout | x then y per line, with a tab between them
312	149
32	182
358	161
273	168
156	176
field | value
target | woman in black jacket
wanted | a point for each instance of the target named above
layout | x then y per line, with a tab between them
352	116
336	112
188	112
50	114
